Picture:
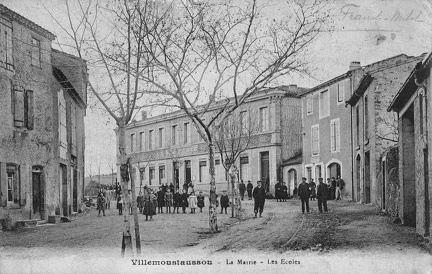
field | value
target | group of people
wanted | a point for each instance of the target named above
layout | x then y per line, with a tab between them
245	188
281	192
323	192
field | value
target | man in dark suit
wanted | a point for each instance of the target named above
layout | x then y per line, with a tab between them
304	194
249	189
322	195
259	195
242	188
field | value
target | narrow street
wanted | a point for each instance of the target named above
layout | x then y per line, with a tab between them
349	231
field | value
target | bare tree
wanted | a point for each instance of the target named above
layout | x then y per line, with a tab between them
236	135
193	56
113	167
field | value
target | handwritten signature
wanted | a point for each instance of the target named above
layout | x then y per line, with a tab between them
351	12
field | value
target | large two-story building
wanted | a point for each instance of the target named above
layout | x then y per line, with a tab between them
43	102
168	149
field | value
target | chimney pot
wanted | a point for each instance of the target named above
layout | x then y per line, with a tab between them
354	65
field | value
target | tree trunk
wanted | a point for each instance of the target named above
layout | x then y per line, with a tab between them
212	206
127	237
135	212
236	199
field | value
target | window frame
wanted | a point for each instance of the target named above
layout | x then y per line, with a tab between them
313	152
36	62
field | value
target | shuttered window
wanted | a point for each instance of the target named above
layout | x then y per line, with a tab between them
335	135
6	44
315	140
36	53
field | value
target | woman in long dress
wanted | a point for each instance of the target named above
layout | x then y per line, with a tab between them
193	202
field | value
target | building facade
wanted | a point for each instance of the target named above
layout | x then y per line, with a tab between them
413	105
374	130
42	125
168	149
327	131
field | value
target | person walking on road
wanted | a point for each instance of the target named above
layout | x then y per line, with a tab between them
304	194
249	188
101	202
259	195
200	199
224	202
322	195
242	188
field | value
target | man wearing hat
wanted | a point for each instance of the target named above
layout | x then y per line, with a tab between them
249	188
322	195
304	194
259	195
242	188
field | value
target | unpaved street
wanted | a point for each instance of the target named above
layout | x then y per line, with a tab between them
353	233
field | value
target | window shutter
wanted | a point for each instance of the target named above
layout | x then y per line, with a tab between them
3	44
29	109
337	125
18	107
3	186
332	135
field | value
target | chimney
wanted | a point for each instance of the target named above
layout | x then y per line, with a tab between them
143	115
292	86
354	65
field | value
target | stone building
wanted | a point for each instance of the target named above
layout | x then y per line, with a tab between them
413	105
327	131
43	101
374	130
168	149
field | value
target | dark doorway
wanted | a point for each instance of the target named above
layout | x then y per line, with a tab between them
75	190
63	178
265	170
292	180
176	175
38	193
188	176
334	170
358	178
367	177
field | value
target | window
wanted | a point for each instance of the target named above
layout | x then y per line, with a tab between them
244	161
309	104
217	161
142	173
151	174
174	135
340	91
142	141
264	119
315	140
244	122
317	173
36	53
132	142
186	133
6	59
150	142
202	165
366	118
161	137
62	124
13	184
335	135
161	173
23	108
357	125
324	104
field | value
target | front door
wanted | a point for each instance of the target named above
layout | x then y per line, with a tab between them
176	174
38	193
188	176
265	170
63	178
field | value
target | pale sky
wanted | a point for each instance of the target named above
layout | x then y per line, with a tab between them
365	31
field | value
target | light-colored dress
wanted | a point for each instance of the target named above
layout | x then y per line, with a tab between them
193	201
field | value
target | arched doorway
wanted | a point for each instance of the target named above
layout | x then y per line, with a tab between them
292	180
358	178
334	170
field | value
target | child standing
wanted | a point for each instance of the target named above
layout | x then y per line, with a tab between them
177	201
224	201
200	199
120	203
101	202
168	200
184	200
160	200
140	202
192	202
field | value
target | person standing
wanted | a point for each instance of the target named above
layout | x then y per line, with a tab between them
224	202
101	202
322	195
168	200
184	200
177	201
160	200
118	190
312	187
259	195
120	203
192	201
242	188
128	203
328	189
140	202
284	191
333	188
278	189
249	188
340	184
200	199
185	186
149	204
172	188
304	194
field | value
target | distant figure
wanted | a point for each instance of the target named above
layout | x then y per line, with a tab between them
284	191
224	202
120	204
242	188
304	194
184	200
249	188
340	184
118	190
190	187
140	202
172	188
322	195
160	200
177	201
129	202
312	187
185	187
259	195
200	199
278	188
149	205
101	202
164	188
192	200
333	188
295	192
168	200
328	189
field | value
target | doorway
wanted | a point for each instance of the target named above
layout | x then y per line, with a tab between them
38	193
334	170
64	193
367	179
176	175
358	178
292	180
188	175
265	170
